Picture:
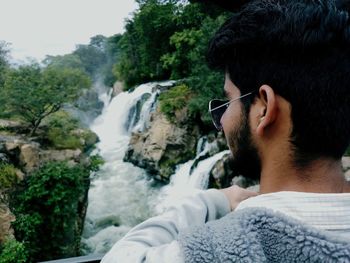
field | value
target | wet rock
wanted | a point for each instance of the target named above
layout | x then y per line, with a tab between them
222	175
162	146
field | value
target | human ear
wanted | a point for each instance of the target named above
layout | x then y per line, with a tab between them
268	108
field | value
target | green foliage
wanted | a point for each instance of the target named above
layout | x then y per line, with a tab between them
71	61
59	133
179	61
32	93
347	152
47	210
13	251
61	140
95	162
146	39
8	176
3	61
64	132
173	100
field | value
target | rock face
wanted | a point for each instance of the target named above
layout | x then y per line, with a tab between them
27	155
6	217
162	146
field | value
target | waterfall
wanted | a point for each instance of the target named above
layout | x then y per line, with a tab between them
187	178
122	195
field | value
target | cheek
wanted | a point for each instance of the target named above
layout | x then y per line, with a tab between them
230	119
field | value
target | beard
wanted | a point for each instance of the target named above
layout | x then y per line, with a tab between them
245	159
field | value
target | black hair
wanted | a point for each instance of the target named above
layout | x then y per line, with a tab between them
301	48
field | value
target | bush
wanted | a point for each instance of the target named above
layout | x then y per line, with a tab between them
59	133
13	251
60	139
95	162
174	100
48	210
8	176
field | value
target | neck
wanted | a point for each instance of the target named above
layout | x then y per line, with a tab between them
321	176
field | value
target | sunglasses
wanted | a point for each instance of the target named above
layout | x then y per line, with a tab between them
217	108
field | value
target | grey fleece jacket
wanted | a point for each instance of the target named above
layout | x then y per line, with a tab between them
261	235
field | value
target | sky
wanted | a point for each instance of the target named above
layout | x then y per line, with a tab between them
36	28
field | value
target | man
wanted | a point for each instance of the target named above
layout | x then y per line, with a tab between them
287	67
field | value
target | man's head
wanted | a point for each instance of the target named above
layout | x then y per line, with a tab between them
293	51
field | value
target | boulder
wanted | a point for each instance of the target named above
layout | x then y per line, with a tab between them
118	87
162	146
6	217
346	167
346	163
29	157
61	155
222	175
13	126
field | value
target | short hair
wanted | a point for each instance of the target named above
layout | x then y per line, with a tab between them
301	49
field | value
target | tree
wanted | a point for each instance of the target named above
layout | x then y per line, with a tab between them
66	61
146	39
3	61
32	93
47	209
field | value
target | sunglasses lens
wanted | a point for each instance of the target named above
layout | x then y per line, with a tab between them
217	112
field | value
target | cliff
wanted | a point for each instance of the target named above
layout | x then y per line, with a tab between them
21	155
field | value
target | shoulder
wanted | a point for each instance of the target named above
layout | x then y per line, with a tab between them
260	235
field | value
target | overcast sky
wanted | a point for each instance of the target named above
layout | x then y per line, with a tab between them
36	28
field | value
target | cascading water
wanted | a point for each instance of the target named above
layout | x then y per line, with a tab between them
184	181
121	195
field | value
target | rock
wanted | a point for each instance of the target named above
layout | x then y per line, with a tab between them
162	146
11	146
118	87
13	126
20	175
347	175
61	155
4	158
87	138
254	188
29	157
243	181
6	217
346	163
222	175
135	112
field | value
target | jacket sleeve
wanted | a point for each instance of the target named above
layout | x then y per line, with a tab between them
155	240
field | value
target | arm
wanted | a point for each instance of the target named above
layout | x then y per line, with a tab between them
155	239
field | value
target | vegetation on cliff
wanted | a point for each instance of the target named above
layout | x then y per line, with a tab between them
47	206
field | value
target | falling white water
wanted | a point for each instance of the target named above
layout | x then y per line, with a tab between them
183	182
121	195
